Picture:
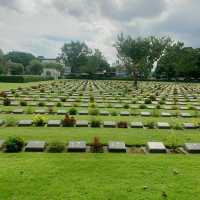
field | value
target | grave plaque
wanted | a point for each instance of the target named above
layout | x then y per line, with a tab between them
192	147
156	147
116	146
35	146
77	146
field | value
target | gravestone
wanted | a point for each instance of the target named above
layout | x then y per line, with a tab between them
163	125
1	144
109	124
40	111
192	147
35	146
54	123
104	113
82	123
116	146
2	122
156	147
18	111
186	115
76	146
137	125
165	114
124	113
189	126
145	114
61	112
25	122
83	112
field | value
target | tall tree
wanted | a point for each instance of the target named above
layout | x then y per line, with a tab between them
139	55
35	67
16	68
20	57
74	54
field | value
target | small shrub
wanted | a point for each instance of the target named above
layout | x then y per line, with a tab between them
147	101
114	113
58	104
96	146
13	144
126	106
95	123
177	126
10	122
56	147
72	111
41	104
91	99
39	120
142	106
29	110
94	112
93	105
152	97
6	102
122	124
68	121
50	110
63	99
23	103
150	125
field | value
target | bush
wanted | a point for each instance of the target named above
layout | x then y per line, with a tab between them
68	121
50	110
41	104
6	102
152	97
58	104
95	123
10	121
94	112
13	144
150	125
72	111
39	120
142	106
114	113
56	147
23	78
122	124
147	101
126	106
23	103
96	146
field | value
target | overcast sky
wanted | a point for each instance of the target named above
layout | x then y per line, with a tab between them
43	26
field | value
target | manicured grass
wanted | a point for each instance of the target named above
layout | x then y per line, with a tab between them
130	136
32	176
6	86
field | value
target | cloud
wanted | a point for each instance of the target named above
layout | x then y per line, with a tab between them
42	26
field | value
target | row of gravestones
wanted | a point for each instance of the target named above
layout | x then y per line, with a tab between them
102	113
113	146
106	124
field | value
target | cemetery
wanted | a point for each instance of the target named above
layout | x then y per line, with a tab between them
88	131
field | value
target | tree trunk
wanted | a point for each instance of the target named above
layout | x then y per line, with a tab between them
135	79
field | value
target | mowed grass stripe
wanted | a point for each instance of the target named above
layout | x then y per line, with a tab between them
129	136
31	176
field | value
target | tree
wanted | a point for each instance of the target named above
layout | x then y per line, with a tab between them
95	63
74	54
140	54
16	68
169	64
20	57
35	67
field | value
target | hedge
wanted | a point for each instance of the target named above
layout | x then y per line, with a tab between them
23	79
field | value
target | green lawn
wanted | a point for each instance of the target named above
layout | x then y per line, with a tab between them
41	176
130	136
6	86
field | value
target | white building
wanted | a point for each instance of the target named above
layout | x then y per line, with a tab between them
51	72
